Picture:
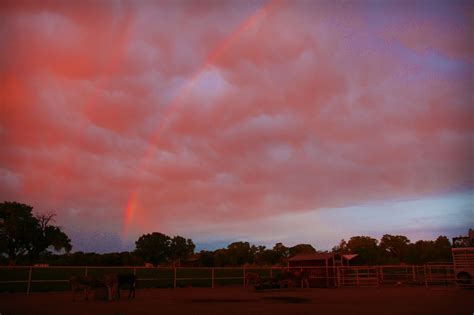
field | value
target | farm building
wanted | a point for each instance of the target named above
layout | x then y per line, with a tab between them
324	274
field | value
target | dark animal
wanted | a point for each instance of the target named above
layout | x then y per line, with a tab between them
111	282
302	276
127	279
292	278
82	283
114	282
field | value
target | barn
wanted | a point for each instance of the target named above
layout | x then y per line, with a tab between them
324	273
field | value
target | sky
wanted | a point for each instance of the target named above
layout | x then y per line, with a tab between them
223	121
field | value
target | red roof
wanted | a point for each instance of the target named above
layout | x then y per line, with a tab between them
314	256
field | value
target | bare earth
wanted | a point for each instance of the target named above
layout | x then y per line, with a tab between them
239	300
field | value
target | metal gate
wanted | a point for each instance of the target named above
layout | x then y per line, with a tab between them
357	276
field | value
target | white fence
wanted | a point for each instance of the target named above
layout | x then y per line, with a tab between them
55	278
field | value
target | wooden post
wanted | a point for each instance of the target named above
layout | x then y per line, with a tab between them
377	275
134	271
212	281
86	272
338	270
413	273
301	272
244	271
29	281
174	278
327	274
357	277
426	276
271	273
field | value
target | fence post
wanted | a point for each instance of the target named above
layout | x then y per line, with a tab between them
86	272
357	277
327	274
135	271
245	284
212	281
413	273
377	276
271	273
174	278
426	276
338	276
29	281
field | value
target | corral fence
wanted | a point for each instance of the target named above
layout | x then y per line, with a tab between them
56	278
408	275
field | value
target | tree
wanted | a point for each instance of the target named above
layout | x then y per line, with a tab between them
365	247
240	253
206	258
181	248
394	248
442	249
421	252
301	249
47	235
220	257
24	234
341	248
281	251
263	256
154	247
158	248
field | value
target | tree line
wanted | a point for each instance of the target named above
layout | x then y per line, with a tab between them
26	238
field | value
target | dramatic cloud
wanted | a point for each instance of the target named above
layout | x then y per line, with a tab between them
218	116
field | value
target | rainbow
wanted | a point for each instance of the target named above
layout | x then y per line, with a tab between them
131	206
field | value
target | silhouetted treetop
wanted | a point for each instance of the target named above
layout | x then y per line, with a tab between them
25	234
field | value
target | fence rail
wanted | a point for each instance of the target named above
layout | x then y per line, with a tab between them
55	278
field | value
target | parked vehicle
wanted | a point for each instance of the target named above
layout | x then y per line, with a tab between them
463	259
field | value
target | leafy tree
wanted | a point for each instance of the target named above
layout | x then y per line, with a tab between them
442	249
301	249
181	248
23	234
47	235
240	253
281	251
341	248
154	247
365	247
206	258
394	248
158	248
221	258
263	256
421	252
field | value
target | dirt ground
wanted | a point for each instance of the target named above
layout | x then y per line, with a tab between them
239	300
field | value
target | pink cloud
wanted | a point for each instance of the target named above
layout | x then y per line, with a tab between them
306	107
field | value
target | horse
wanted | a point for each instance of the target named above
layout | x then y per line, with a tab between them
289	278
127	279
302	276
83	283
114	282
111	282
